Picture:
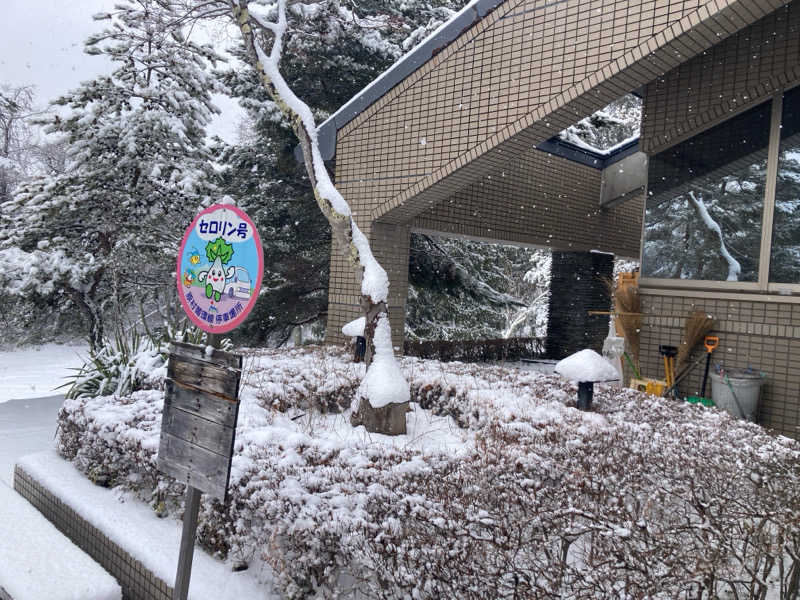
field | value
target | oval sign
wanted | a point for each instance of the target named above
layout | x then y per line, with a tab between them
220	266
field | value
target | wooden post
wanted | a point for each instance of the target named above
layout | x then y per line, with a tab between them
181	589
190	514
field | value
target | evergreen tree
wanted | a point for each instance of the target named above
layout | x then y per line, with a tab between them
105	231
16	137
331	53
468	290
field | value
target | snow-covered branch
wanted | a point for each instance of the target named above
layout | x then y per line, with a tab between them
269	21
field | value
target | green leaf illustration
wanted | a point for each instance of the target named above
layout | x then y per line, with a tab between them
219	248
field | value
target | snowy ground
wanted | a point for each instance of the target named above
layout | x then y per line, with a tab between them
26	426
28	401
37	561
36	371
154	542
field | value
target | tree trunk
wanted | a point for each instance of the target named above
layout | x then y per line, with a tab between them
385	420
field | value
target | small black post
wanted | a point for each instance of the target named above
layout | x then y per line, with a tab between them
585	393
361	348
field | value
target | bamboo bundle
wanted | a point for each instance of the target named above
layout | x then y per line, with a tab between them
627	312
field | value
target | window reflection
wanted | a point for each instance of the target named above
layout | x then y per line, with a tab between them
705	202
784	264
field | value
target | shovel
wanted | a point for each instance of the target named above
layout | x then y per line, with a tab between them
711	342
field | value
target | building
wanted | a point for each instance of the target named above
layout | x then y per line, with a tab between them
460	138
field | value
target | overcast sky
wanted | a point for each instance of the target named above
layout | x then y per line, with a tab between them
41	43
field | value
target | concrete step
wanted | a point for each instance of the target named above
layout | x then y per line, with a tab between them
37	561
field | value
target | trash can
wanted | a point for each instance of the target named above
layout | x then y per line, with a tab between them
737	392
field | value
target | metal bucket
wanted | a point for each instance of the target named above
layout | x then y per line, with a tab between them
737	392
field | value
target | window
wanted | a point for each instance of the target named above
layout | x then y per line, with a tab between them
704	211
784	264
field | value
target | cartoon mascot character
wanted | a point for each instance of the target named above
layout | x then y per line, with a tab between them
219	253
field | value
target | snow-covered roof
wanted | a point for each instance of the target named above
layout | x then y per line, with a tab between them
446	33
474	11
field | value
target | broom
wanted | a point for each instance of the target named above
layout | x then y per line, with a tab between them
697	326
627	311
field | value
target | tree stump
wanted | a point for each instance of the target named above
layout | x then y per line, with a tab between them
389	419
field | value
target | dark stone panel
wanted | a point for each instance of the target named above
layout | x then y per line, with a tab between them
576	287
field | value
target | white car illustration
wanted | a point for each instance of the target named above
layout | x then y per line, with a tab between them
238	285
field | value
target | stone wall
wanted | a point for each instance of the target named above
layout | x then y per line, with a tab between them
576	287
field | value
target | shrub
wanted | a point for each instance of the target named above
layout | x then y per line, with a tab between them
131	361
643	498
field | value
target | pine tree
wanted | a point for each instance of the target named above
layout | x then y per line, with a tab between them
329	57
105	232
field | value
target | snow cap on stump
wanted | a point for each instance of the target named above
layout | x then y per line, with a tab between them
355	328
586	365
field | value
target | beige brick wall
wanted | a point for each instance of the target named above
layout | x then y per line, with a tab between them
739	72
541	200
757	333
506	66
513	79
390	246
423	154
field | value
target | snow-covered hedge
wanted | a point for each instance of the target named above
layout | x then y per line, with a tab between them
501	489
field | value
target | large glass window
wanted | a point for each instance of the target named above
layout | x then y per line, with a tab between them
705	203
785	259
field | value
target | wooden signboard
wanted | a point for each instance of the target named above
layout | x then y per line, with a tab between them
198	424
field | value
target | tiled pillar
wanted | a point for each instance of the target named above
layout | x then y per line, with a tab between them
390	245
576	287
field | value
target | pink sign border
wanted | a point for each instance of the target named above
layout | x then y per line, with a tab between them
230	325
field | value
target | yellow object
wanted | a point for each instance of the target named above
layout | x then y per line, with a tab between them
655	387
667	370
627	279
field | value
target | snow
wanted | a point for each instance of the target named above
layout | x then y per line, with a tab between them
305	483
375	283
36	371
384	382
355	328
586	365
573	138
132	525
37	561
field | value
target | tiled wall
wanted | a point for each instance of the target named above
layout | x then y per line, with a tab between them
741	71
576	287
449	149
542	200
511	62
390	246
753	333
138	582
513	79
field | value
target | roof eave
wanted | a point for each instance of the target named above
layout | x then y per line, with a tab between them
410	62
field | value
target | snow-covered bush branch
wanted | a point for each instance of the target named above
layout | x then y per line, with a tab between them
510	494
